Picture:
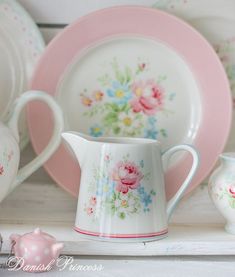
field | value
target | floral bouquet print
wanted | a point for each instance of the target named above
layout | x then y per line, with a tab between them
227	193
128	101
119	191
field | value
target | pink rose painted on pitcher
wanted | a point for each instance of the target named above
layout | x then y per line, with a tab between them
232	191
149	97
93	201
127	175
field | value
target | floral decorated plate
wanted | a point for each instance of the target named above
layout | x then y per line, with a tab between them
126	78
21	44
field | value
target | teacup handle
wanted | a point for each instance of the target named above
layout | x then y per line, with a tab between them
20	103
166	157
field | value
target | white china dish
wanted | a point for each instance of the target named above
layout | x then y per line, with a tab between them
21	45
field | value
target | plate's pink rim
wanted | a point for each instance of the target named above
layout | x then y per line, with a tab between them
197	52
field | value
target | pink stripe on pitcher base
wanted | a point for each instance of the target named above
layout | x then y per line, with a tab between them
146	235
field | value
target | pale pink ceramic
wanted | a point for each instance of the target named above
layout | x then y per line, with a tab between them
213	129
37	249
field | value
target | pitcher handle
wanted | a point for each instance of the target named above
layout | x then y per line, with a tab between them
55	140
171	205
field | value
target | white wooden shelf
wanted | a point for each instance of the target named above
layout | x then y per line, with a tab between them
183	240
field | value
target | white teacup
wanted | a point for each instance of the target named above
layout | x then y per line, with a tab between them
122	192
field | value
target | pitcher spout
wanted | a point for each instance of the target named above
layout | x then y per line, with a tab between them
78	143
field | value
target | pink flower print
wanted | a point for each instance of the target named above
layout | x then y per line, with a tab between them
232	190
86	101
107	158
127	175
148	97
98	95
142	66
1	169
89	211
93	201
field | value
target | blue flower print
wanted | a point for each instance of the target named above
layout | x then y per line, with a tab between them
142	163
151	133
146	210
105	187
96	131
146	199
172	96
152	121
120	92
141	190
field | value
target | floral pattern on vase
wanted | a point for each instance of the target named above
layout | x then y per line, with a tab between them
221	189
228	193
5	158
119	189
128	102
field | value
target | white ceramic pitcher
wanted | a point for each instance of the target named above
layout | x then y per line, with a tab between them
122	193
222	189
10	177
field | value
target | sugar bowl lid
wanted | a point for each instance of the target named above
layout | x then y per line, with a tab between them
38	235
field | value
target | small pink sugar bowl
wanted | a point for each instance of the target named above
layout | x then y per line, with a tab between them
37	251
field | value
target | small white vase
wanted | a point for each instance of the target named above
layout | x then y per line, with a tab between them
222	189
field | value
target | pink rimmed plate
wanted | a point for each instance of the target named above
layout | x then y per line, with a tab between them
133	71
